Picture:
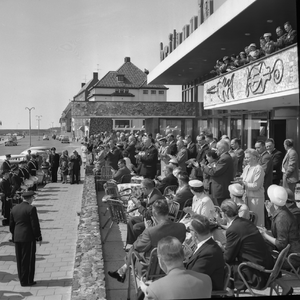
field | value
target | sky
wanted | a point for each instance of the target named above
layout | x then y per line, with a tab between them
49	47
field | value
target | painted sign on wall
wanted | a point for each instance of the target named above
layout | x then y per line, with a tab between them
271	75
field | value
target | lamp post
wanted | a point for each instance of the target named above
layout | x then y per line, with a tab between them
38	118
29	109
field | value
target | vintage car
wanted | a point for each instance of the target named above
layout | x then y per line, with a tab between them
45	138
11	143
65	139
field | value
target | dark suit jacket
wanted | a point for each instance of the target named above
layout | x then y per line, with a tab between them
221	176
245	243
54	160
149	162
173	148
240	156
192	150
6	166
197	172
277	158
201	153
118	175
24	223
113	156
130	150
168	180
183	195
265	160
150	237
208	259
145	208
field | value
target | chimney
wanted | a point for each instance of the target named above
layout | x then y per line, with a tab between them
95	76
82	84
127	59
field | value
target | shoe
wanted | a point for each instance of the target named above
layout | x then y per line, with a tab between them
29	284
117	276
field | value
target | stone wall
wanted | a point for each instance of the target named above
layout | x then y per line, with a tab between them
88	277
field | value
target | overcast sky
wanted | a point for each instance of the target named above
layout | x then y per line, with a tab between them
48	47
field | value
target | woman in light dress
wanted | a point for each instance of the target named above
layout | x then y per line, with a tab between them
163	152
253	183
84	153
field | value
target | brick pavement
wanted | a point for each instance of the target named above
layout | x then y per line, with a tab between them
57	205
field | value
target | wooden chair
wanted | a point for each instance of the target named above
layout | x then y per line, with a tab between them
153	270
273	273
224	291
171	189
253	217
187	203
173	210
117	215
126	178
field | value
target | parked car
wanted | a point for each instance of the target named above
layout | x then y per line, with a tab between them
65	139
11	143
45	138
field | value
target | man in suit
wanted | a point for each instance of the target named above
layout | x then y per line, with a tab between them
244	243
6	165
290	166
208	256
54	163
123	170
210	141
136	225
130	149
222	174
149	159
191	147
277	158
179	283
5	190
168	180
183	192
25	228
201	155
239	152
148	240
266	162
172	144
15	180
114	155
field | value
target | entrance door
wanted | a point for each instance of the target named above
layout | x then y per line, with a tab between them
278	133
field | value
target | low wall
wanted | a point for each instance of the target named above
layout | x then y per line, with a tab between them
89	277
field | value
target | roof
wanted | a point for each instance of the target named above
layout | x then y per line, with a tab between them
84	88
133	78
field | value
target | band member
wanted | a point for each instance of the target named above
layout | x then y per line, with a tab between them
5	190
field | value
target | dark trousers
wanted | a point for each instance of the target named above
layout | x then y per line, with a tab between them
25	255
75	177
54	173
135	226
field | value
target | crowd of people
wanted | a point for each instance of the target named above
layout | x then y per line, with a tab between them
285	37
212	173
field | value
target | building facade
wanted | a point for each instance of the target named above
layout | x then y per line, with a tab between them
253	101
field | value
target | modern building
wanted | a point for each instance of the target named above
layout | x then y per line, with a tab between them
123	100
254	101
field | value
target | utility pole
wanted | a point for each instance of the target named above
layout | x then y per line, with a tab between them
29	109
38	118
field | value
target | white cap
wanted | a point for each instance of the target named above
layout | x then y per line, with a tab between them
195	183
236	189
277	194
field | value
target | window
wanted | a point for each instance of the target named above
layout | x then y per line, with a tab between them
145	92
126	91
153	92
161	92
122	123
120	78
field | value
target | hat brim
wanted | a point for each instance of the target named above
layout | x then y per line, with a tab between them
273	195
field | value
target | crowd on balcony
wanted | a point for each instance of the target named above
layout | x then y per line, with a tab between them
228	186
267	46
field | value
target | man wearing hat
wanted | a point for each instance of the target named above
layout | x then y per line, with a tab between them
54	163
253	52
270	45
76	161
5	190
25	228
15	179
6	166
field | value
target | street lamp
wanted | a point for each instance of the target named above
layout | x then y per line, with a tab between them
38	118
29	109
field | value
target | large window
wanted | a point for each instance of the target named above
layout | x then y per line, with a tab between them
122	123
145	92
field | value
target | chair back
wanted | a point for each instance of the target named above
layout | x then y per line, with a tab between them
126	178
187	203
171	189
154	271
117	211
253	217
278	264
173	210
106	173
